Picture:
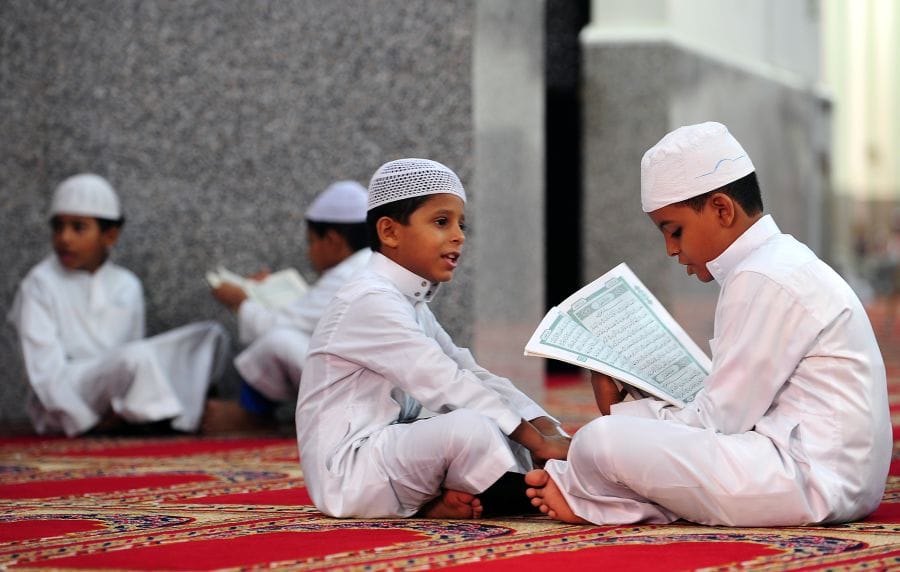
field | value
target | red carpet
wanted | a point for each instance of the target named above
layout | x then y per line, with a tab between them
200	504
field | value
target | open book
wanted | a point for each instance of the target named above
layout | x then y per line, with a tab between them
614	325
275	291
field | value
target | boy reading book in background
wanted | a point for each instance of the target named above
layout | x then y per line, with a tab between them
791	426
80	320
278	338
378	355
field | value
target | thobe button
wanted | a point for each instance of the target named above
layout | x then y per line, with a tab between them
418	294
424	283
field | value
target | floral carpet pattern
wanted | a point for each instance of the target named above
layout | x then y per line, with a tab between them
180	503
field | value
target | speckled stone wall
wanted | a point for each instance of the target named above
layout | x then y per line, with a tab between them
218	122
633	94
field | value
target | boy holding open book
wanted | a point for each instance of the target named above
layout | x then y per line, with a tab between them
791	425
278	334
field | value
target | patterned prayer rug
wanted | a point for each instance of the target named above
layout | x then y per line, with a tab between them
182	503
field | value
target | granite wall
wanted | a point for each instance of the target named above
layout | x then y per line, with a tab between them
636	92
217	122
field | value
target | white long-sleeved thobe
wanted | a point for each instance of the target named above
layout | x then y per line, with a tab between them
791	427
81	337
279	338
377	356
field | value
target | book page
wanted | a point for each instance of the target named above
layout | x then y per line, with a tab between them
279	288
275	291
614	325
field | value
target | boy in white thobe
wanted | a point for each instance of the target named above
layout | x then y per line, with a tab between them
792	424
80	320
378	355
278	338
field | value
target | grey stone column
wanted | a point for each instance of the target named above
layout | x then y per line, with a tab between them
507	190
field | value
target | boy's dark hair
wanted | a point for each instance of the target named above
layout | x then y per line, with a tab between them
353	232
400	211
104	223
744	191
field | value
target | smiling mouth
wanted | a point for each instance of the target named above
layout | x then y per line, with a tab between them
452	258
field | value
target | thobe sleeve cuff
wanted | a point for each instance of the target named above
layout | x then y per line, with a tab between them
508	422
534	411
247	315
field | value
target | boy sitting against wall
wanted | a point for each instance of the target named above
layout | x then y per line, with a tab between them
80	320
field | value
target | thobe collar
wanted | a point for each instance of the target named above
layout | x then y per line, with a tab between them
761	231
354	259
82	274
413	286
94	282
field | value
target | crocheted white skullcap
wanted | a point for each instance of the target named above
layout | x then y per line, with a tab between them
690	161
86	195
340	202
407	178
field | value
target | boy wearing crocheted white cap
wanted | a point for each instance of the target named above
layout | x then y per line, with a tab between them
378	357
278	338
80	320
792	424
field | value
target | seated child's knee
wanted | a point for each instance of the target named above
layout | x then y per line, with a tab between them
604	437
135	356
472	428
285	341
216	330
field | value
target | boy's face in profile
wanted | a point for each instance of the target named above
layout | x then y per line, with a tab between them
430	245
695	237
325	251
79	242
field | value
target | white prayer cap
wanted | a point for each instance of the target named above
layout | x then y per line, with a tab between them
86	195
341	202
407	178
689	162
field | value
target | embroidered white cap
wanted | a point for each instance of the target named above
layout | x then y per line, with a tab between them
340	202
407	178
689	162
86	195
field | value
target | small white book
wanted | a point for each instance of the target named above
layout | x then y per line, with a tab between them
275	291
614	325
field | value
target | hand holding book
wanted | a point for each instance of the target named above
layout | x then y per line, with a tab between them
615	326
273	290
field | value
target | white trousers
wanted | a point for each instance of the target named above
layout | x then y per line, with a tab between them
402	467
624	470
272	364
163	377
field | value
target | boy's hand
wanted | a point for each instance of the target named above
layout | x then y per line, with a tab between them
547	426
260	275
553	447
230	295
542	447
606	392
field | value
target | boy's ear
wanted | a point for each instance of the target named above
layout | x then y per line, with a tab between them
109	236
387	231
724	207
331	236
335	240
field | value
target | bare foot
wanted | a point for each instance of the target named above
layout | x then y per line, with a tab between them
547	497
224	416
452	504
